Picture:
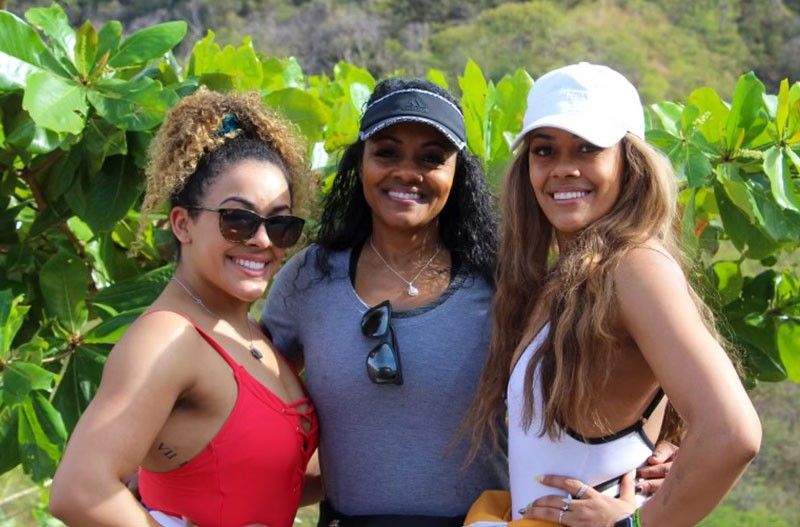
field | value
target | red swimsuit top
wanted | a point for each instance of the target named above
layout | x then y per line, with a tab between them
251	472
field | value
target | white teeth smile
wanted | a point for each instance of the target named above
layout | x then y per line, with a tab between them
250	264
405	195
563	196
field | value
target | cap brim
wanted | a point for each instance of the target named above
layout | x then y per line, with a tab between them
595	129
377	127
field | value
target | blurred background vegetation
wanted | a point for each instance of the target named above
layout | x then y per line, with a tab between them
667	48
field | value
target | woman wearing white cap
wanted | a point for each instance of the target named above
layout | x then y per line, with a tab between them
588	347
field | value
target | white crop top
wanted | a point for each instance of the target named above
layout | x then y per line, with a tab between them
599	462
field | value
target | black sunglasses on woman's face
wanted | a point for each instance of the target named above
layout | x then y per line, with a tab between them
383	361
239	225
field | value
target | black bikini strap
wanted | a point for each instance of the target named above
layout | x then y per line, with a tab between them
653	404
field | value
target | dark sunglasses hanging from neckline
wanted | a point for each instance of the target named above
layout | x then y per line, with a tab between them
239	225
383	361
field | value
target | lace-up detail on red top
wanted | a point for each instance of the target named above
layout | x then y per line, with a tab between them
252	471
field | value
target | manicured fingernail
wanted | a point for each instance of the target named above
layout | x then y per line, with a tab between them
539	478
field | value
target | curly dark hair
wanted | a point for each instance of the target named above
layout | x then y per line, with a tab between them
467	223
190	150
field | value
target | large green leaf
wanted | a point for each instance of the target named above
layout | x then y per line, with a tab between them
669	144
474	92
507	112
709	113
226	68
108	39
301	108
22	52
777	168
102	139
41	436
438	78
728	280
63	280
789	347
21	378
738	190
278	74
57	180
9	451
744	122
693	165
86	44
80	382
55	103
53	22
740	229
132	105
113	191
111	330
787	294
756	336
137	292
782	225
27	137
32	350
668	115
349	74
782	109
342	127
148	43
12	314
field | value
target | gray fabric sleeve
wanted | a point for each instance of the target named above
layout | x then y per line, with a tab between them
280	316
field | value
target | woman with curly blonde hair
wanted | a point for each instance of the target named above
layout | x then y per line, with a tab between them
595	325
194	395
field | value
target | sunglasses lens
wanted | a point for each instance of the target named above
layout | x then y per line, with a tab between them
382	366
375	323
238	225
284	231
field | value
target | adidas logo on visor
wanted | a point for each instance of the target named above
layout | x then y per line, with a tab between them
415	105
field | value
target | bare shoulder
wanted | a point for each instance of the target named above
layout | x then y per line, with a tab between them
650	285
649	263
158	344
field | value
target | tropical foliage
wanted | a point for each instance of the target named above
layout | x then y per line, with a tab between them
78	107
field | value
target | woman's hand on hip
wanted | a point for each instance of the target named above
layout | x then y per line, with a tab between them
583	506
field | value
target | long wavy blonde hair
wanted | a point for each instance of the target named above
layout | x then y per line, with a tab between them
575	293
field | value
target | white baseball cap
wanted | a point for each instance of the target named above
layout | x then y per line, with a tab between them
589	100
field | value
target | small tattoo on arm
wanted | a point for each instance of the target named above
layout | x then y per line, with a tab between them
167	451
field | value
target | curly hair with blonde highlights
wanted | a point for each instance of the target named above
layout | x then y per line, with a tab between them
208	131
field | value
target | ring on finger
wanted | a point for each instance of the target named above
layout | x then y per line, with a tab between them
566	500
581	491
560	515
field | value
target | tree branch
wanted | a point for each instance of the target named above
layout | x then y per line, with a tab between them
30	176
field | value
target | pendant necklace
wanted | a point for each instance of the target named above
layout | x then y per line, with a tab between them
253	351
411	291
